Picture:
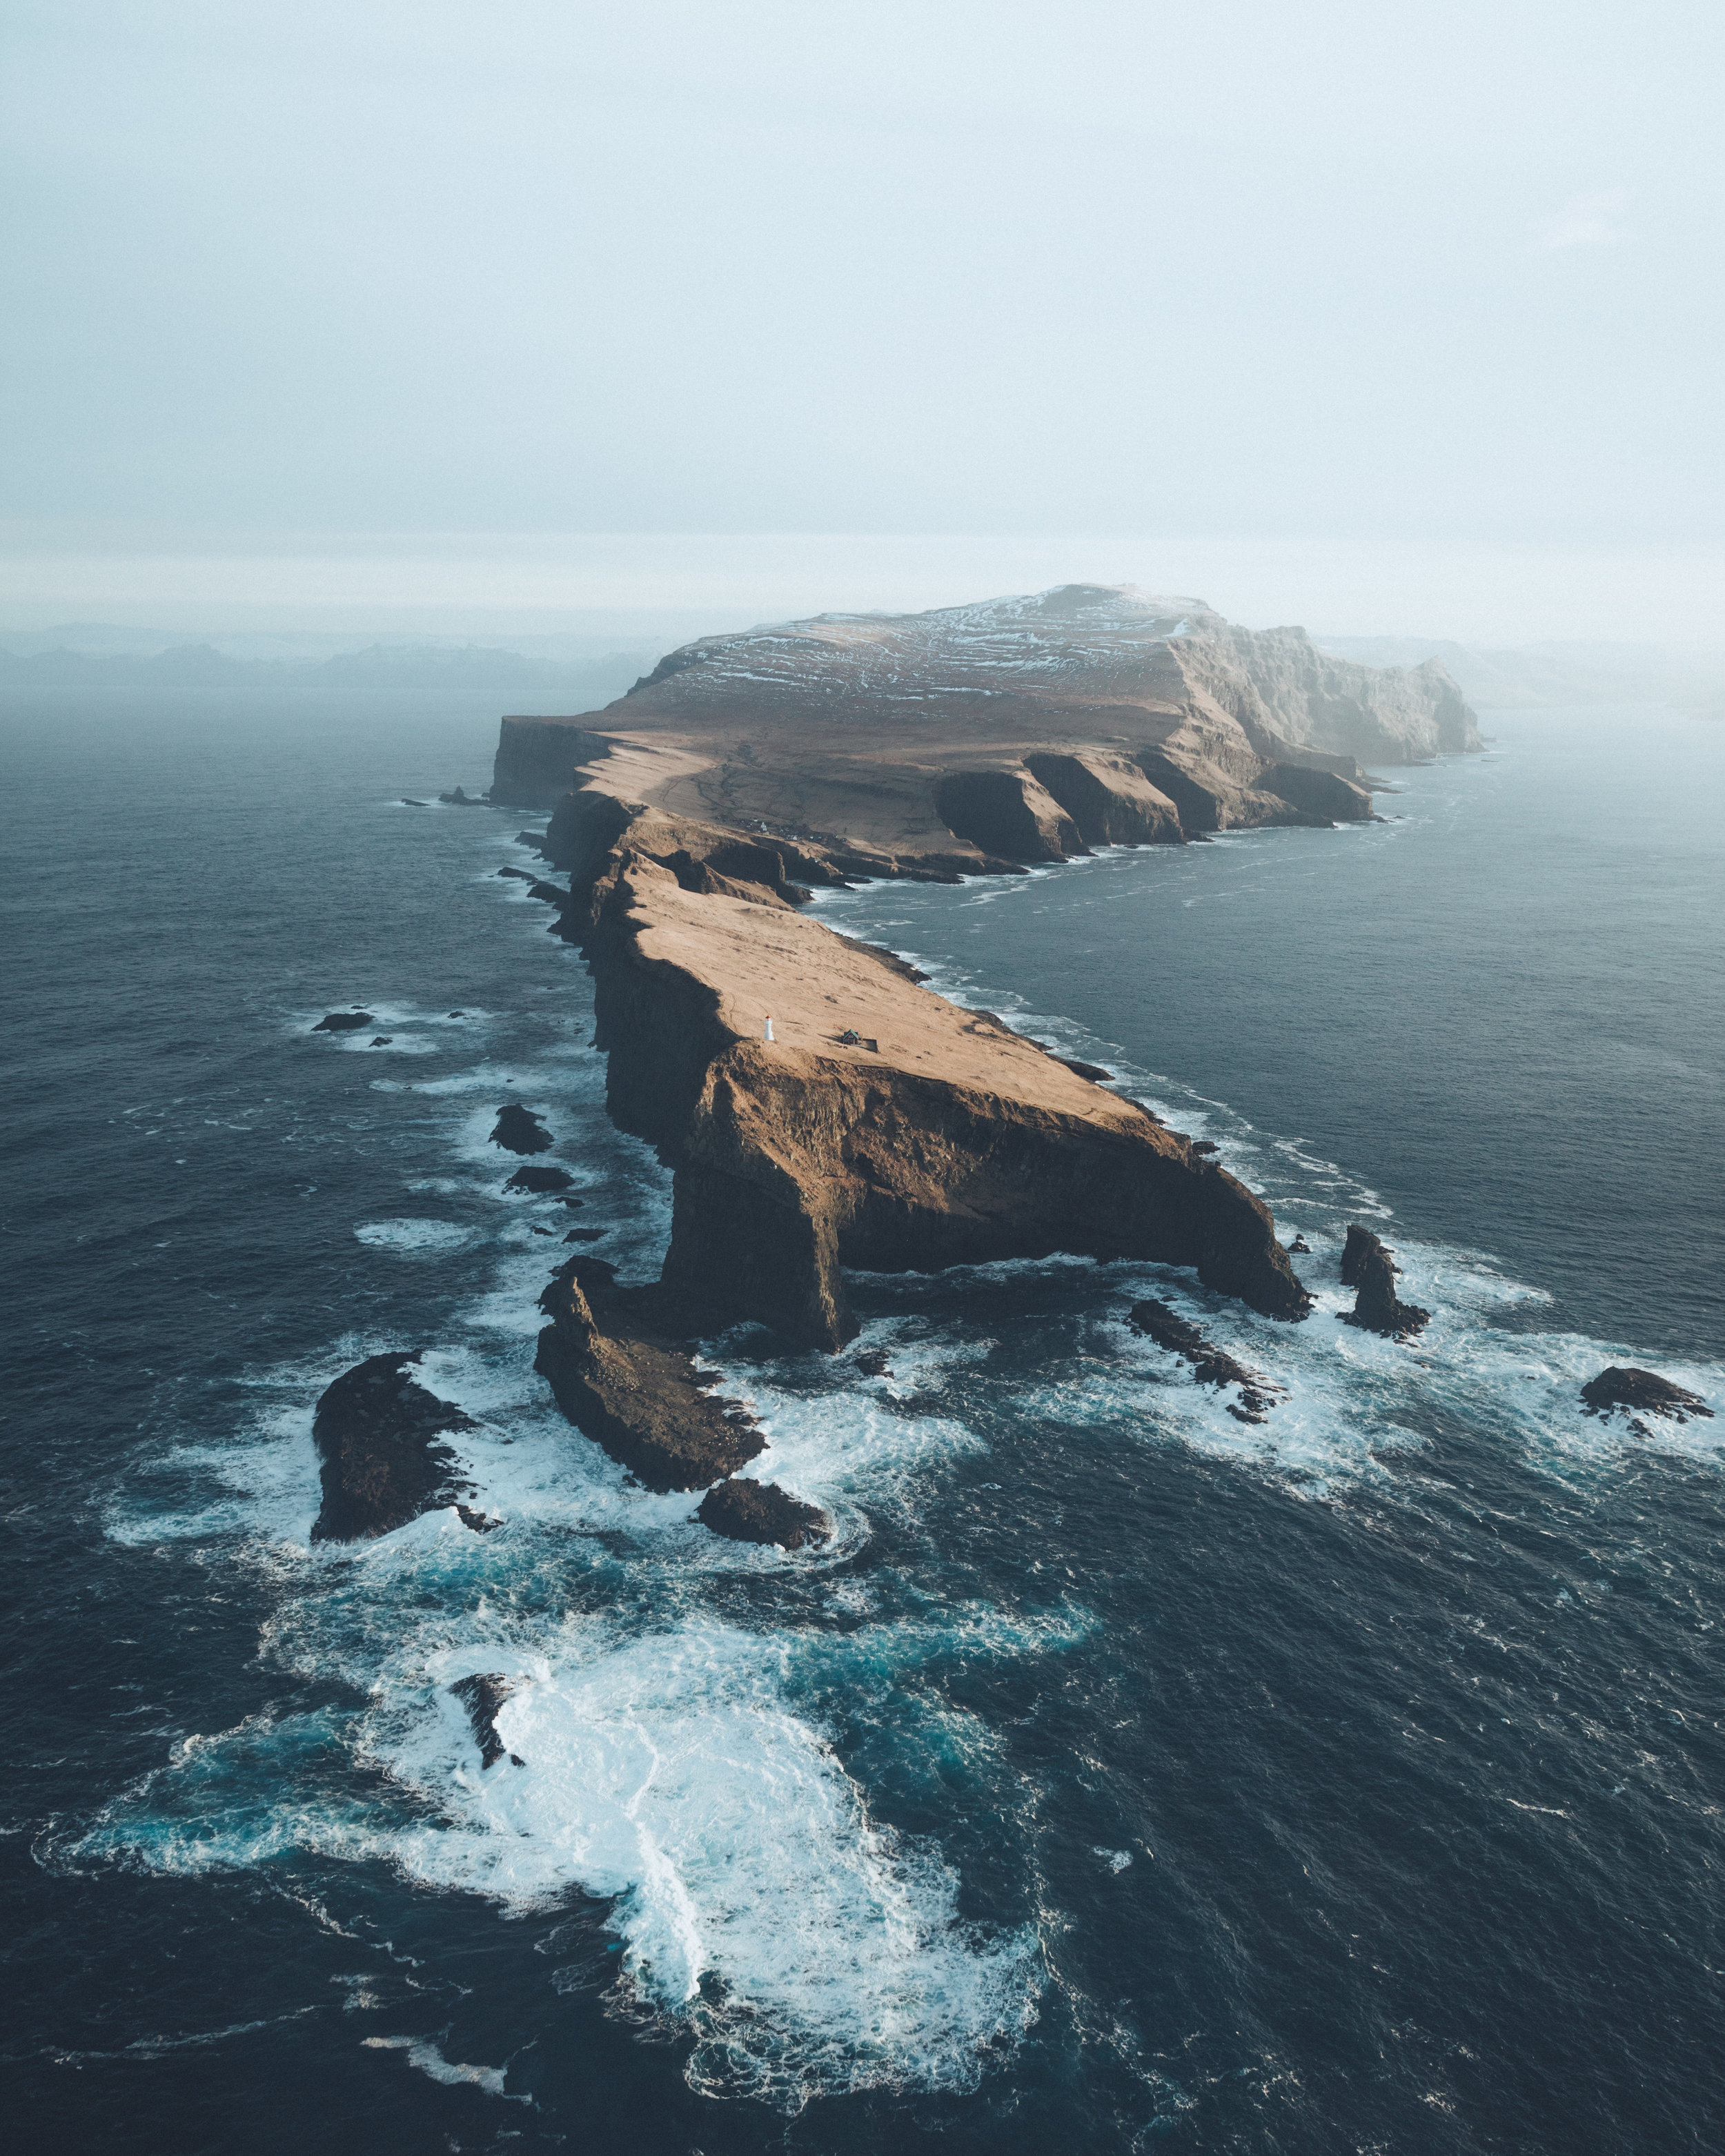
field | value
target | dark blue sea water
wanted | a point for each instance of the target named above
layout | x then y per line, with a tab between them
1123	1776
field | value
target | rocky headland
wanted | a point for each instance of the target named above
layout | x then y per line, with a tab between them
820	1108
1017	730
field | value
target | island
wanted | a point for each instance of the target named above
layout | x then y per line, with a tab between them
819	1107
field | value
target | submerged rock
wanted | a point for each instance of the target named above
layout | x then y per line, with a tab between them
519	1130
482	1696
381	1039
1210	1364
1369	1266
1641	1392
762	1512
344	1022
1299	1248
377	1436
458	799
538	1177
872	1362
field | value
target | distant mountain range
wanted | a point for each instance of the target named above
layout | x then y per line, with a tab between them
513	679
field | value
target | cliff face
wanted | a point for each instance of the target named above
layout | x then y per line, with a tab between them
857	727
880	1127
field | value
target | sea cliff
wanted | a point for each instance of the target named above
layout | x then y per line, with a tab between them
1026	728
821	1109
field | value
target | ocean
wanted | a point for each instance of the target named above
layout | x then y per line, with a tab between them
1120	1776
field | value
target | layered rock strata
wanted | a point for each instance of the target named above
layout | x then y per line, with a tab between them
1019	731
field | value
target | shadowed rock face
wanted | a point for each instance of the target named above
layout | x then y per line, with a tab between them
482	1696
377	1433
1641	1392
621	1368
519	1130
762	1512
1109	799
1369	1266
1007	813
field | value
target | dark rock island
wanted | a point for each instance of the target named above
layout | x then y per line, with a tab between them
1636	1392
378	1435
1369	1267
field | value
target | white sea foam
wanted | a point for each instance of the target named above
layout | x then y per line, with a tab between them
682	1764
410	1238
425	2057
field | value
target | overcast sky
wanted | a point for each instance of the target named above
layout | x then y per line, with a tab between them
1326	284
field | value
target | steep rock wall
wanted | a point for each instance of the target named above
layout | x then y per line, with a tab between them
941	1139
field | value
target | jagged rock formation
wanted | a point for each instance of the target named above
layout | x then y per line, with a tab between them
519	1130
1023	729
1369	1267
344	1022
1637	1393
378	1435
539	1177
1210	1364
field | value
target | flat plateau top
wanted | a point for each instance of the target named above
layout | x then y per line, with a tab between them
766	961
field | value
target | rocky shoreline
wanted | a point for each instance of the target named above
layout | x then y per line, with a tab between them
818	1105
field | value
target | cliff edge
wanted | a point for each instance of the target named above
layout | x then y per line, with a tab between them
1017	730
876	1124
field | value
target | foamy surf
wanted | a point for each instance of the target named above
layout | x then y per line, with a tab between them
713	1780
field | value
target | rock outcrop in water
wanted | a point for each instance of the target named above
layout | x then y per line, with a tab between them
1210	1364
1369	1267
482	1696
519	1130
344	1022
379	1435
819	1108
1637	1393
541	1178
620	1364
748	1511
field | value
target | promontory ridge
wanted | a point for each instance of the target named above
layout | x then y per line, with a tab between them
820	1107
